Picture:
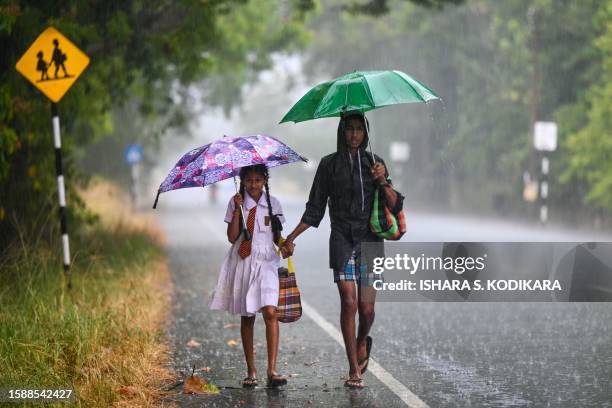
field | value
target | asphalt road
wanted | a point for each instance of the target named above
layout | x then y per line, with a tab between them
434	354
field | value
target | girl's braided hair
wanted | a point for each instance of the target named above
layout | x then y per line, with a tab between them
262	170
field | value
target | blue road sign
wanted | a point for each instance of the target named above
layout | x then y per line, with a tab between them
133	154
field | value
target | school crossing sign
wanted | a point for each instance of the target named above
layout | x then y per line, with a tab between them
52	64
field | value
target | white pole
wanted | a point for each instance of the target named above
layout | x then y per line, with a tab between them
61	190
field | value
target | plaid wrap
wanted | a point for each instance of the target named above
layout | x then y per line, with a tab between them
355	271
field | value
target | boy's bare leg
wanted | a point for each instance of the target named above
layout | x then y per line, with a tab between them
365	306
348	309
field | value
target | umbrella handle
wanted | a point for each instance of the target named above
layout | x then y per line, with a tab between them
369	138
156	198
247	234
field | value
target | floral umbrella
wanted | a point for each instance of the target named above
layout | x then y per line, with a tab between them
224	158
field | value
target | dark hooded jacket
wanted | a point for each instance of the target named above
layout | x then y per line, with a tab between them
349	194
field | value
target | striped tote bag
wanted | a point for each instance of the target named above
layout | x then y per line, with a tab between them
289	303
384	222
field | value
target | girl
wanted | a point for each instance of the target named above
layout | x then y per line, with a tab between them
248	282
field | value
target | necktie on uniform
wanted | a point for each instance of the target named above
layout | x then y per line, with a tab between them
245	246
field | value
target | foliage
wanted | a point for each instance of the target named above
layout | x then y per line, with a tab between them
499	67
590	147
103	333
145	55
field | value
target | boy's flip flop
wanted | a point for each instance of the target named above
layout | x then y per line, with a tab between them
354	383
249	382
276	380
367	360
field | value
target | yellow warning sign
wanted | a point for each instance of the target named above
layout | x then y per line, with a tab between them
52	64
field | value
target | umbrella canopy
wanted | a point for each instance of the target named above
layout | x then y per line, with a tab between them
358	91
224	158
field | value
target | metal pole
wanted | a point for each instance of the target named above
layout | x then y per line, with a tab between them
247	234
544	190
134	185
61	191
369	138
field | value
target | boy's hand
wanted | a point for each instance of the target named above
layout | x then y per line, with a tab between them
287	249
238	200
378	173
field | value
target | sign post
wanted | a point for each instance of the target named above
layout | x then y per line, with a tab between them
399	153
133	156
544	140
52	64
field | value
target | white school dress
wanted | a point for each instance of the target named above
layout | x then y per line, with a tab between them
246	285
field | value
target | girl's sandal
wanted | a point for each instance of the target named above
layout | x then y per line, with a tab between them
354	383
276	380
249	382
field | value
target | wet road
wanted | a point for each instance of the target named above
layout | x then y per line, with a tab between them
442	354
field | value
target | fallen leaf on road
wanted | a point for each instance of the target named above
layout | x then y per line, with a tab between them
193	343
198	385
231	325
205	369
232	343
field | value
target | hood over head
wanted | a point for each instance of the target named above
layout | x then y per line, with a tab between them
341	141
345	158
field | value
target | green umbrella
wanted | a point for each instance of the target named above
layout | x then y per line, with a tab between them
358	91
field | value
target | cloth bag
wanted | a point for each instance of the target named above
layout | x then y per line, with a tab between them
387	223
289	307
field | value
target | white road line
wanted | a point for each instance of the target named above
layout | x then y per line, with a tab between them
399	389
409	398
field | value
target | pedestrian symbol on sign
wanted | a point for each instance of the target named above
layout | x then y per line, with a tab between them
52	64
58	58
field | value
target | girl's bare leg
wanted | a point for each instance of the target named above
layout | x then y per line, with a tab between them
246	332
269	315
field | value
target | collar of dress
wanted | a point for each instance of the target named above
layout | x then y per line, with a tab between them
249	202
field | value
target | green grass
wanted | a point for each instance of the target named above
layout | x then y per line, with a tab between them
85	337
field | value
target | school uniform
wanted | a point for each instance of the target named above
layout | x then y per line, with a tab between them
246	285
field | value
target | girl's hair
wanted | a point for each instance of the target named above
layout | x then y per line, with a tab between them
262	170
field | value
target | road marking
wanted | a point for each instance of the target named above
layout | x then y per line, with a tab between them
399	389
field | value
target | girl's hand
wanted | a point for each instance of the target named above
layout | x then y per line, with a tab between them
287	249
378	173
238	200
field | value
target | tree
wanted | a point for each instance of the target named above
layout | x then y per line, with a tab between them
590	147
142	52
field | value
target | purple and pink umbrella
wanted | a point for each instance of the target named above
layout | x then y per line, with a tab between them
224	158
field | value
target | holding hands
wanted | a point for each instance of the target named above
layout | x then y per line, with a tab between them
287	248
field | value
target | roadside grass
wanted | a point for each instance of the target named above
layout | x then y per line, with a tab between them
104	336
